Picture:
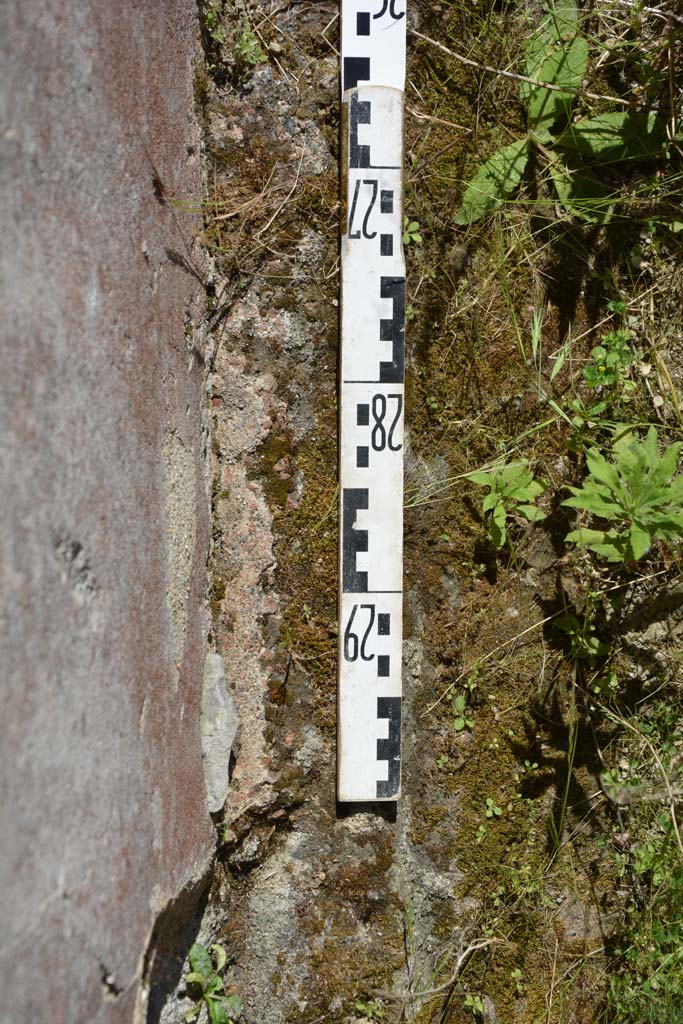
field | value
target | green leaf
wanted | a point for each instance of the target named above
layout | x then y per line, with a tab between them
498	534
613	137
192	1013
530	512
489	501
498	515
482	477
460	702
566	68
602	470
639	542
459	723
200	961
591	501
495	179
213	985
582	194
195	978
218	1013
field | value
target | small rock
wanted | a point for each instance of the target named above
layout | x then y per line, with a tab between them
219	723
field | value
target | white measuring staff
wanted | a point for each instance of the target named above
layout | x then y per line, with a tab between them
372	401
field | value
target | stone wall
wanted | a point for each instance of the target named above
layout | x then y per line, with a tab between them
106	832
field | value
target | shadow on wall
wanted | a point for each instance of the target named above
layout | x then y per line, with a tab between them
174	932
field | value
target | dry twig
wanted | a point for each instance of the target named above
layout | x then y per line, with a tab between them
515	77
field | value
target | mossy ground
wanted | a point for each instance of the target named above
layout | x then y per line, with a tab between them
539	874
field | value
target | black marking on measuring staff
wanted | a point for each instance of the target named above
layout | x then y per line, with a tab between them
356	69
391	4
362	456
386	200
353	540
390	749
372	182
363	23
360	112
392	330
386	245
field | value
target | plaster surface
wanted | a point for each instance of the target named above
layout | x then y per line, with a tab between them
104	509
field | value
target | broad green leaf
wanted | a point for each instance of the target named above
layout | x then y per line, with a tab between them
218	1013
200	961
561	23
494	180
589	501
498	534
489	501
481	477
602	470
639	541
565	67
613	137
530	512
669	461
611	552
499	515
582	194
603	543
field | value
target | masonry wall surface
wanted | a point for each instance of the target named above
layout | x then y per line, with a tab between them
103	502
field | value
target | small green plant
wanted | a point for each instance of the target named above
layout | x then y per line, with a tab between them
517	976
442	760
637	492
474	1004
585	644
246	47
512	491
372	1010
411	232
492	808
205	986
461	719
611	360
557	54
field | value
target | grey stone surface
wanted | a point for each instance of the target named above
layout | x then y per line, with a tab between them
105	525
219	727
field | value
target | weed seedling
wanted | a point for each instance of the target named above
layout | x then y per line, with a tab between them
461	720
372	1010
638	493
206	988
512	491
411	232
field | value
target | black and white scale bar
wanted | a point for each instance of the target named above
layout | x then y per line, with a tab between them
372	403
